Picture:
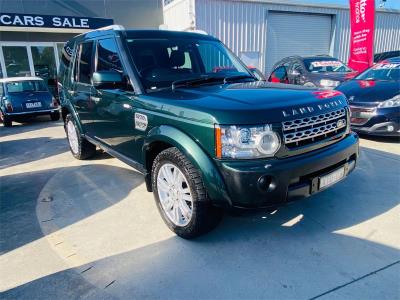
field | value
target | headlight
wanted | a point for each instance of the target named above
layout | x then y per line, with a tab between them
246	142
394	102
329	83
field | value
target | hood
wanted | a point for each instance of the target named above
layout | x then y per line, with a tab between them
245	103
337	76
369	91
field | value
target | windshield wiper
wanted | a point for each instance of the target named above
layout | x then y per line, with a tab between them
194	81
208	79
237	77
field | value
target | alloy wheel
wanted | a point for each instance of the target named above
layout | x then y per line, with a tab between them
175	194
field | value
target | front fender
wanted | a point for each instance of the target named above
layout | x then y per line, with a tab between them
211	177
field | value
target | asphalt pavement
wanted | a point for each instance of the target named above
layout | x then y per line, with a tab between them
89	229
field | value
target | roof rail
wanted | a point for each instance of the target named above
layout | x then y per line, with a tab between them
110	27
199	31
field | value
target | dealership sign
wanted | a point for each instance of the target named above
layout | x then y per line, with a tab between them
362	19
46	21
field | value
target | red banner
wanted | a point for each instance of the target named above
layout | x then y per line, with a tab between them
362	22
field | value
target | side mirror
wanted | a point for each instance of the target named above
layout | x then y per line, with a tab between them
295	73
108	80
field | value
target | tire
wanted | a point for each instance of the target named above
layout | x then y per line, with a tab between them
79	146
7	122
203	216
55	116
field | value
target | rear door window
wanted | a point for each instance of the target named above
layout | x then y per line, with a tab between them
83	65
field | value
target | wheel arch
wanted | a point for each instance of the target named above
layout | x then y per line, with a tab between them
163	137
68	110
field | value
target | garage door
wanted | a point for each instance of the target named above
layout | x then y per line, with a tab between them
296	34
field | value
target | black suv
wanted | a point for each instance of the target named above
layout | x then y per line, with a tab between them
315	71
184	111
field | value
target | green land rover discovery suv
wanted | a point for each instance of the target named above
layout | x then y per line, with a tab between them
184	111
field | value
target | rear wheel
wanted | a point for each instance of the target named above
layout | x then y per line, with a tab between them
55	116
79	146
7	122
181	196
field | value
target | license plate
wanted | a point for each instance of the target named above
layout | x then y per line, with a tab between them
331	178
33	104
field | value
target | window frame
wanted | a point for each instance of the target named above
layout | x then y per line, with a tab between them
96	54
75	77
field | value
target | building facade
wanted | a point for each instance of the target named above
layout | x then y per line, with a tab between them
33	32
261	32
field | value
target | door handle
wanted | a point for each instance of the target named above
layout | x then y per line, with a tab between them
95	99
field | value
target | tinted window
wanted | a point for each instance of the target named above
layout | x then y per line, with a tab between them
83	65
65	61
297	67
26	86
382	71
1	90
279	75
107	56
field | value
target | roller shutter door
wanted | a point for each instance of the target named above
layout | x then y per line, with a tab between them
296	34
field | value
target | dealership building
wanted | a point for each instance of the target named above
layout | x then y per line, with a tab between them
261	32
32	32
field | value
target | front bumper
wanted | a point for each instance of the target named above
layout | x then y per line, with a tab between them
376	121
273	182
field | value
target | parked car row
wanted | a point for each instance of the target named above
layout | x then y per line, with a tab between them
374	95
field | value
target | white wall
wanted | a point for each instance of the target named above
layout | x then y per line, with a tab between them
180	15
242	25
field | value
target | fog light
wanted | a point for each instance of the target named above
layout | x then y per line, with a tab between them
265	183
390	128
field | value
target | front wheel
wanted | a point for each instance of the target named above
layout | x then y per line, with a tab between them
181	196
79	146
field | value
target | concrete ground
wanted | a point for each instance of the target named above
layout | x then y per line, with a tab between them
89	229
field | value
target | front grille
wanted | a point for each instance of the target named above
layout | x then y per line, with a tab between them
361	115
305	131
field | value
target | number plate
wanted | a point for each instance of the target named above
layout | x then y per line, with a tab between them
331	178
33	104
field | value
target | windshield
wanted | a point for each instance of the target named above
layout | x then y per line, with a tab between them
322	65
161	62
382	71
26	86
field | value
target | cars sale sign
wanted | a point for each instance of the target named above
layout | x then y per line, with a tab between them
362	21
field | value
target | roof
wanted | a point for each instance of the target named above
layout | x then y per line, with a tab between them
142	34
14	79
167	34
